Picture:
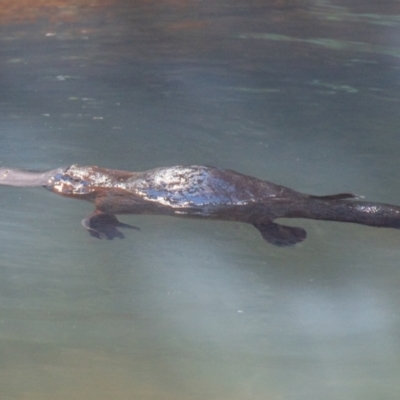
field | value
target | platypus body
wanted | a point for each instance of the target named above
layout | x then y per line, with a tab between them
199	192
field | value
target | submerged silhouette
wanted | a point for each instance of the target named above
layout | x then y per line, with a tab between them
199	192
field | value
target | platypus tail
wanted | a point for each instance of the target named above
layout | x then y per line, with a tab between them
19	177
341	207
344	209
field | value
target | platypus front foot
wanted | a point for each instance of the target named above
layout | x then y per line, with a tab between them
104	226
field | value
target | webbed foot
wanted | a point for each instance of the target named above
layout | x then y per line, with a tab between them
281	235
104	226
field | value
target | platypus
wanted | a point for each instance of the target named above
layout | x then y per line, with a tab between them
199	192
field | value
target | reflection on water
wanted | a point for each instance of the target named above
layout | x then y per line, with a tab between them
304	94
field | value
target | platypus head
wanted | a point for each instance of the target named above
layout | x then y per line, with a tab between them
69	183
63	183
80	181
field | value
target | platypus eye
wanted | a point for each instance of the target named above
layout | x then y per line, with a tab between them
58	176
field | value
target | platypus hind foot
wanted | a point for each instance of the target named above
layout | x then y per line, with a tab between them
281	235
104	226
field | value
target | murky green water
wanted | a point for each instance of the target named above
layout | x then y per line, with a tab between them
305	94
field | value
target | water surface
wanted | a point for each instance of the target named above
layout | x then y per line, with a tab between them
305	94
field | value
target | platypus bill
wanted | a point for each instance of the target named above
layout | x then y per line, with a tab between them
199	192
